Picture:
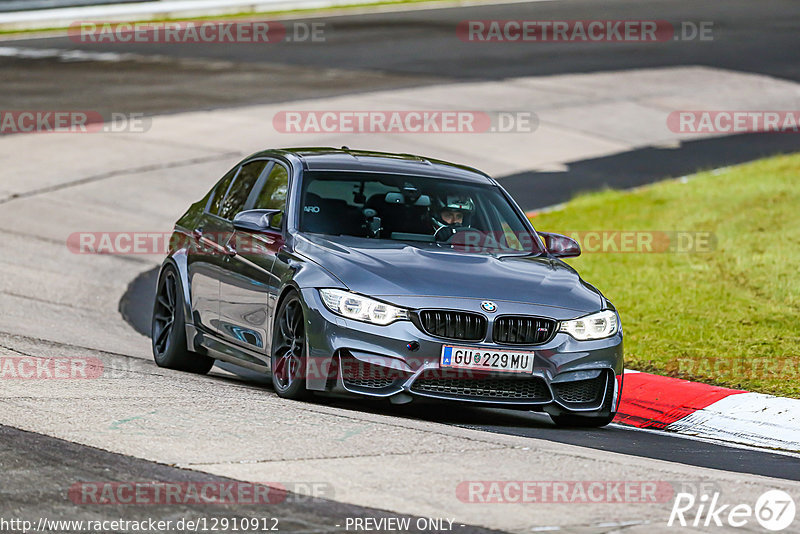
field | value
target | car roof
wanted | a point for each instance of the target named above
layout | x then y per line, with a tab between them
346	159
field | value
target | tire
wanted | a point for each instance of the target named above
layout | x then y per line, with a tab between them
168	331
288	355
581	421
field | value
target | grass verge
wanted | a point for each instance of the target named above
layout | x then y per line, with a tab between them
729	316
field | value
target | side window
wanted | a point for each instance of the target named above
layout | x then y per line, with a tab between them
239	191
273	194
219	191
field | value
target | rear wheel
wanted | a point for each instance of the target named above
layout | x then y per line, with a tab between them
289	349
168	333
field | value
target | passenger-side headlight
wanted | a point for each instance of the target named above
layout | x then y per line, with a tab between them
360	308
595	326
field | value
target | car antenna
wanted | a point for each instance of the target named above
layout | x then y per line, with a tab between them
350	152
426	161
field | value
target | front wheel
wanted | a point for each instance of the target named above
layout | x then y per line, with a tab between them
289	350
168	333
581	421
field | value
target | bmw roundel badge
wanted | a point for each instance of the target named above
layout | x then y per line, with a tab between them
489	306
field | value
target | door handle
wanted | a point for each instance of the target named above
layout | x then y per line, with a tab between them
197	233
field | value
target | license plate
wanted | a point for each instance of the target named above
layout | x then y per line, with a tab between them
487	359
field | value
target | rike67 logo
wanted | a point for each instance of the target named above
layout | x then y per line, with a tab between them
774	510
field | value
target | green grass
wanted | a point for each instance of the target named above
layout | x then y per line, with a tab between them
729	317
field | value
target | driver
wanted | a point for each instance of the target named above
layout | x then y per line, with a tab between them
451	211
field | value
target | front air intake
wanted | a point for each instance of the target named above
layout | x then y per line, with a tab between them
523	330
449	324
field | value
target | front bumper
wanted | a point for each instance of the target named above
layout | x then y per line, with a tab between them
569	376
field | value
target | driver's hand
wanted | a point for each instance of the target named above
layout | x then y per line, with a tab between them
445	233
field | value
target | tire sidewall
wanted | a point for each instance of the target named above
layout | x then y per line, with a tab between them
298	388
176	340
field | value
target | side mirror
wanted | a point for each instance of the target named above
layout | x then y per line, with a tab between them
255	220
560	246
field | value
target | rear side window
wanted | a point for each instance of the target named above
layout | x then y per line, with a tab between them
219	191
240	190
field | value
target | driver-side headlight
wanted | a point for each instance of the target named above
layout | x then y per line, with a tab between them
353	306
595	326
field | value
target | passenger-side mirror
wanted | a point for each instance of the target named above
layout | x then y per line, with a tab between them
560	246
255	220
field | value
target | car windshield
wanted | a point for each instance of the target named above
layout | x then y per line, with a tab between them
471	217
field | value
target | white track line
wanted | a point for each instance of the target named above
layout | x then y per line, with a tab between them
751	418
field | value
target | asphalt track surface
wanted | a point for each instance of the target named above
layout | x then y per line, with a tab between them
44	478
392	50
405	49
757	37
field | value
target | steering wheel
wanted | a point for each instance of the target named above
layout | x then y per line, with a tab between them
446	233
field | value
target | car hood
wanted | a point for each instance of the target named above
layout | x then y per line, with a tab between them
385	268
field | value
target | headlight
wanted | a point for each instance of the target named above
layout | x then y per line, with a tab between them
361	308
595	326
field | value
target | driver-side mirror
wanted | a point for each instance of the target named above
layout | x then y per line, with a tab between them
255	220
560	246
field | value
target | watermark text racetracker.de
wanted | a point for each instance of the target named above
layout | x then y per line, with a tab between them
593	241
16	366
50	368
564	491
582	31
151	493
197	32
734	121
404	121
643	241
785	367
71	121
160	243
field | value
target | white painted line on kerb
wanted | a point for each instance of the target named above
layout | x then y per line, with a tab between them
750	418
